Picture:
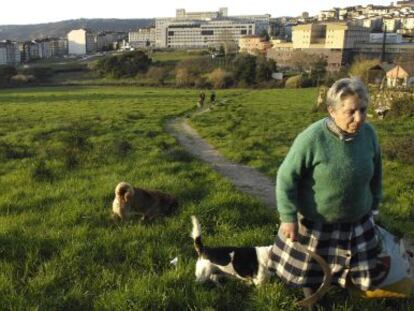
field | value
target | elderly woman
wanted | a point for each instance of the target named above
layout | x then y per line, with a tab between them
328	189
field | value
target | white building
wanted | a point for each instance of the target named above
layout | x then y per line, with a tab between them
204	34
142	37
81	42
9	53
207	29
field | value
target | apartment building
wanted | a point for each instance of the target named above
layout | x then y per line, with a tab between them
9	53
335	41
306	36
207	29
254	45
81	42
142	37
204	34
345	36
328	35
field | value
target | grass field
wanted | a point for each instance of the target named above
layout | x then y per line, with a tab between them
63	150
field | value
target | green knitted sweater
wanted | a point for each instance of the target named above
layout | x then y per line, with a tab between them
327	179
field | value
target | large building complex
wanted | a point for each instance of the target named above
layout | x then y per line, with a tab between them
204	34
201	29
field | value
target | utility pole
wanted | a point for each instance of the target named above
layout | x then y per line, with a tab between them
384	38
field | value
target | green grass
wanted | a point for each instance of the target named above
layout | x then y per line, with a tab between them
63	150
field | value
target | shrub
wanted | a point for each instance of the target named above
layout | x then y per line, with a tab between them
403	107
293	82
125	65
360	68
307	81
220	78
6	73
40	73
23	79
196	66
183	77
157	74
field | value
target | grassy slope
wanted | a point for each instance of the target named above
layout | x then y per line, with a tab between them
63	151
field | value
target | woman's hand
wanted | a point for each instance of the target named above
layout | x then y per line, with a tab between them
289	230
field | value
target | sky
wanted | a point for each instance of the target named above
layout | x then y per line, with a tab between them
19	12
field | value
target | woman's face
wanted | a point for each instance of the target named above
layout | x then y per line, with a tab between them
350	115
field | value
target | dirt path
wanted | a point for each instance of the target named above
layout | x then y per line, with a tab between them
244	178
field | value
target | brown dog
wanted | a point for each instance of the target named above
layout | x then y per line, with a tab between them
130	201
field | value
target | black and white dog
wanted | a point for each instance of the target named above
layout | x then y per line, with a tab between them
246	263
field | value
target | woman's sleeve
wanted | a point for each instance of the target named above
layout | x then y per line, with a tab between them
288	177
376	181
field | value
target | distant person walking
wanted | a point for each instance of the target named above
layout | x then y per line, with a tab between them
201	99
213	98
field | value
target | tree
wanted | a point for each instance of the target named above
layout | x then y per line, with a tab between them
244	68
360	67
264	69
124	65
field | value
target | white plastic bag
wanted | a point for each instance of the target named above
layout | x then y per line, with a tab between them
394	249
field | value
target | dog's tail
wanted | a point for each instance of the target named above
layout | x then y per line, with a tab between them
196	235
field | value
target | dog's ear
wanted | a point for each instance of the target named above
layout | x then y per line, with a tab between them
128	196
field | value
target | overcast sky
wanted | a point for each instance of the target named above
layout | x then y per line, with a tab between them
43	11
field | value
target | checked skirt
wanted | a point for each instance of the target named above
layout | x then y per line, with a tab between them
350	249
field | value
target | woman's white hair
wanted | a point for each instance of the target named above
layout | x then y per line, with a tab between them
346	87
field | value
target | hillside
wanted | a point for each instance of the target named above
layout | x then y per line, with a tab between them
60	29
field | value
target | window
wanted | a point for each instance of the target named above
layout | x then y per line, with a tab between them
171	33
207	32
243	32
